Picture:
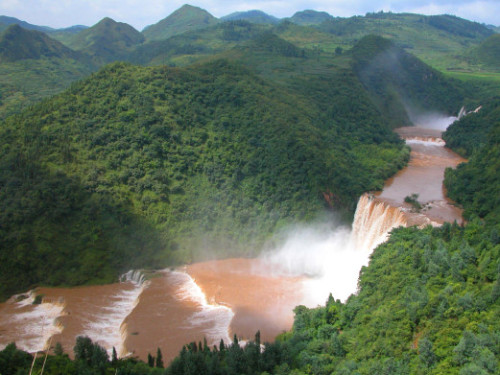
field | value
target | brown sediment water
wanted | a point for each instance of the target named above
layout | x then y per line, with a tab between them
423	176
172	311
211	300
260	301
217	299
65	313
29	325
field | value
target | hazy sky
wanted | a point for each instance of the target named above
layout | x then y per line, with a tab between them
139	13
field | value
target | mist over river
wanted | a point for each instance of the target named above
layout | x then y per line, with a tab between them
220	298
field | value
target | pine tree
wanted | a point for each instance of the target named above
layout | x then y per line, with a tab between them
114	358
151	360
159	359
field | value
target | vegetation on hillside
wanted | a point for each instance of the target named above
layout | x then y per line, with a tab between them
34	66
17	44
186	18
253	16
191	35
106	41
309	17
400	84
209	157
488	53
433	39
476	184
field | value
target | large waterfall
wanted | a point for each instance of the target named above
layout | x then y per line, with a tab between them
373	221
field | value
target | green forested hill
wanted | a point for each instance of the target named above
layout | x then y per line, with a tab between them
186	18
106	41
476	184
210	153
253	16
488	52
196	45
191	34
310	17
17	44
401	84
440	41
34	66
6	22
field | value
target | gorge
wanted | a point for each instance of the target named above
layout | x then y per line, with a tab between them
219	298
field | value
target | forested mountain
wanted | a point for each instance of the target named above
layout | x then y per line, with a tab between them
193	46
253	16
34	66
428	303
399	83
258	127
17	43
107	40
191	34
440	41
184	19
476	184
6	21
310	17
157	147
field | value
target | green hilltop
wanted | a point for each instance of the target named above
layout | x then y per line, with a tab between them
17	43
34	66
106	41
310	17
183	19
253	16
190	34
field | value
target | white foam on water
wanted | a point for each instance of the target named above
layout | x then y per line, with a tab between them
437	142
35	324
106	327
218	317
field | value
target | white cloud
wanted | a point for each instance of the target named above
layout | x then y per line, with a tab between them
139	13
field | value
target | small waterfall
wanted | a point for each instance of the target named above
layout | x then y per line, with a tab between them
38	322
134	276
109	329
462	113
373	221
218	316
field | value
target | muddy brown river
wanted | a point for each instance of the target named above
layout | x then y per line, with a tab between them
217	299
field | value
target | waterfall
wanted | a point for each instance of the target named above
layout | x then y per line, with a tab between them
108	327
373	221
134	276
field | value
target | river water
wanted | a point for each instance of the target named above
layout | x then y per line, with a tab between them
217	299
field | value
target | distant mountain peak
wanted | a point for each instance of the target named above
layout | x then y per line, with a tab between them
310	17
107	40
186	18
255	16
17	43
